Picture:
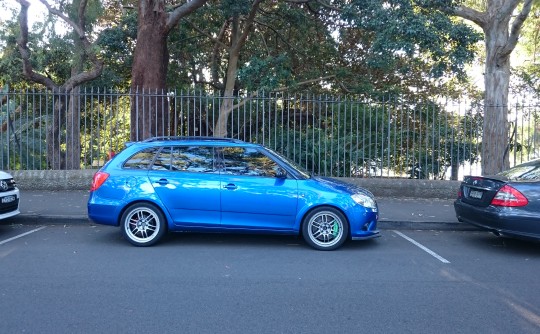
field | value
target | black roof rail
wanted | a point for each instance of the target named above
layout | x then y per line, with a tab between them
204	138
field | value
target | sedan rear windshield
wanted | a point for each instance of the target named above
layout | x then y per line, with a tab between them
523	173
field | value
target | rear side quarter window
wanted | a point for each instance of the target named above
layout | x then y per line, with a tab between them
142	159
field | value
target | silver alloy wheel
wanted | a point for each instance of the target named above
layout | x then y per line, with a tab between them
325	229
142	225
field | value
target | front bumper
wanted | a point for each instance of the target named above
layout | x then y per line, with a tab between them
363	225
9	203
365	236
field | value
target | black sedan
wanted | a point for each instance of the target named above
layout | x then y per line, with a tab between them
507	204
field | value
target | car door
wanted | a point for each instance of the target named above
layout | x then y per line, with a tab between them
252	195
188	184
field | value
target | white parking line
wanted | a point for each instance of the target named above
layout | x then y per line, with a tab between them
21	235
424	248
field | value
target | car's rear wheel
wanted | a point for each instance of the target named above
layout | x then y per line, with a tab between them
143	224
325	228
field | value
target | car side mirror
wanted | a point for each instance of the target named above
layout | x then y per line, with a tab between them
281	173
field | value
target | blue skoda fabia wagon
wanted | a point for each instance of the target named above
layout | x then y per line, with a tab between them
204	184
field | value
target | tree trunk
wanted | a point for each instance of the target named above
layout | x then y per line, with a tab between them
496	80
57	157
63	96
237	41
501	38
149	107
149	103
73	131
228	94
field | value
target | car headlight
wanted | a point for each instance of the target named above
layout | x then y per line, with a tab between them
365	201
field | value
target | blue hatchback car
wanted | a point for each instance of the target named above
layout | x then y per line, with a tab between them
206	184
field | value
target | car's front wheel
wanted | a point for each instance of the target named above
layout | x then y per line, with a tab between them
325	228
143	224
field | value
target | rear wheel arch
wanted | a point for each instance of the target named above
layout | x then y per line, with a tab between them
143	223
127	206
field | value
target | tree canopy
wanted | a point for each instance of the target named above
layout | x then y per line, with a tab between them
417	48
353	47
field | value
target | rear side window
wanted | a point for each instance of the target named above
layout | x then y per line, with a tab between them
198	159
142	159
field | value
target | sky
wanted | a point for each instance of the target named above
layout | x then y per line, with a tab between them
35	11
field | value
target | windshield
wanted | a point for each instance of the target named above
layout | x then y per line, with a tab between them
301	170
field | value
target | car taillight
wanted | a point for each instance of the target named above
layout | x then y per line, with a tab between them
98	180
509	196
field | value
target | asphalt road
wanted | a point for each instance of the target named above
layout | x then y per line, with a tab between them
87	279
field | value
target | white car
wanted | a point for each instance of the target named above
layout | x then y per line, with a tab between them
9	196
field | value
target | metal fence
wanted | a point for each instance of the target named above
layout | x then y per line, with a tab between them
328	135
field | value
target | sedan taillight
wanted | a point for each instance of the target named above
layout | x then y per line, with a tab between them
98	180
510	197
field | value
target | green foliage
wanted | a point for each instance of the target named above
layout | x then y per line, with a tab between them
385	137
94	10
10	60
106	128
527	72
22	134
54	53
265	74
368	47
117	45
528	80
232	8
406	41
530	34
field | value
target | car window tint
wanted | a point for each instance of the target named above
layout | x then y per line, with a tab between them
192	159
523	172
248	161
163	160
142	159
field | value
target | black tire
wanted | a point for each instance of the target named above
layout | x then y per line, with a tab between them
325	228
143	224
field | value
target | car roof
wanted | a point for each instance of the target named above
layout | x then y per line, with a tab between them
167	140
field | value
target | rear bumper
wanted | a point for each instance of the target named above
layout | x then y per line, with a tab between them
103	211
499	220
